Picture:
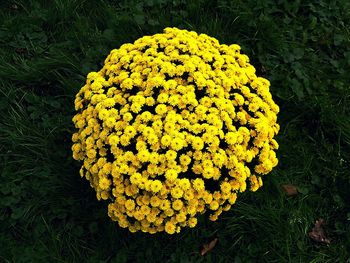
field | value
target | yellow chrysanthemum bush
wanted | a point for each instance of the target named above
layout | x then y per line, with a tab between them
173	126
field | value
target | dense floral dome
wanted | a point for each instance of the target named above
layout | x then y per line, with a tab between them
173	126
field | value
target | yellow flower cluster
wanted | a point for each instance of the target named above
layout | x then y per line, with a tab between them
173	126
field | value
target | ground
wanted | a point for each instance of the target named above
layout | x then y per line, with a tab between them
49	214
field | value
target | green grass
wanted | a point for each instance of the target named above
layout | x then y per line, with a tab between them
49	214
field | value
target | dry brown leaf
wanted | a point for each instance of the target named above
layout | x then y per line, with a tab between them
20	50
290	189
209	246
318	233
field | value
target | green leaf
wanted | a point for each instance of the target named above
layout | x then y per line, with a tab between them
139	19
338	39
297	88
121	257
3	103
313	22
108	33
31	98
298	53
17	213
153	22
93	227
303	190
347	57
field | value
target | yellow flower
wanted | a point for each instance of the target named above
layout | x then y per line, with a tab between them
140	145
216	195
135	178
219	159
193	118
239	99
109	102
96	85
177	104
113	140
180	217
198	184
130	131
145	210
153	141
185	159
171	175
163	98
124	140
123	168
103	114
155	201
150	101
208	172
214	205
127	117
171	155
164	204
197	143
184	183
177	205
104	195
166	140
161	109
107	168
91	153
156	186
177	192
170	228
192	222
110	122
136	107
169	127
147	131
154	158
139	216
143	155
174	100
225	187
231	138
127	84
104	183
169	212
130	204
197	168
197	155
232	198
177	144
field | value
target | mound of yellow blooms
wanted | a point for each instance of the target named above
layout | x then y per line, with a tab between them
173	126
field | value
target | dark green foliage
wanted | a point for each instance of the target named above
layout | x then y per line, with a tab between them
49	214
